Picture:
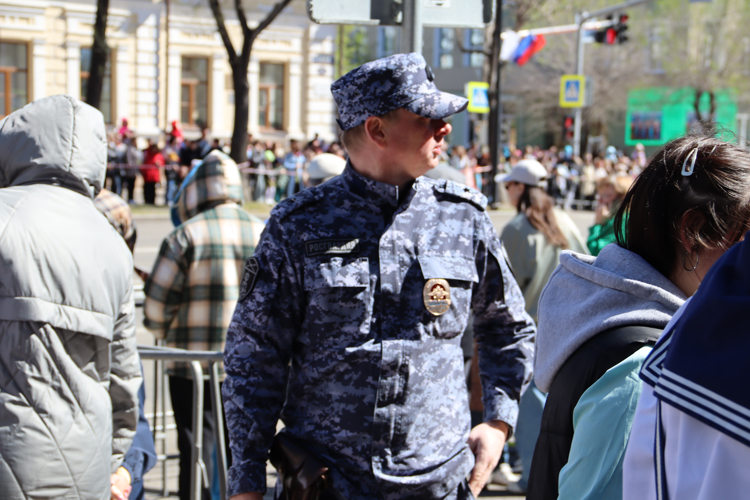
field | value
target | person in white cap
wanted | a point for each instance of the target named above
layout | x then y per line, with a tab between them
534	240
537	235
324	167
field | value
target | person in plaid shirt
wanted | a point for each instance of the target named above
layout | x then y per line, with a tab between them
193	288
118	213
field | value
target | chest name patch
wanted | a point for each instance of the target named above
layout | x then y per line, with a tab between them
332	247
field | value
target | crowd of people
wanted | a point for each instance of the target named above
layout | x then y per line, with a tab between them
275	171
272	172
615	360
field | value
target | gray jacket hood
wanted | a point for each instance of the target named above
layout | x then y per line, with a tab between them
57	140
588	295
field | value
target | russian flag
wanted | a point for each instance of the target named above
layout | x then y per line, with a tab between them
527	47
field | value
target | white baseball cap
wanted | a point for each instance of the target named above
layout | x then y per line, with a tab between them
325	166
529	172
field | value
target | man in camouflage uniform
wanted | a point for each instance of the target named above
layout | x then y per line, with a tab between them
351	311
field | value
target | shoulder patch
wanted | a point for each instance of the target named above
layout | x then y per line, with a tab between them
463	192
248	278
299	200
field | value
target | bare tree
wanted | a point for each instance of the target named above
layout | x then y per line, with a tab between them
240	63
710	51
613	70
99	54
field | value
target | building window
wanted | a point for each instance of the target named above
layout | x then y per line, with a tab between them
14	86
387	41
271	98
105	104
474	40
445	41
194	93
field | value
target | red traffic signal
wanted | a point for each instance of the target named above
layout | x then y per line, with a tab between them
568	127
611	36
606	35
615	33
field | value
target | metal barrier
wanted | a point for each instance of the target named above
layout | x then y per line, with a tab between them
161	354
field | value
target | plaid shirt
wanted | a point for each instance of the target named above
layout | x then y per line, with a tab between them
194	285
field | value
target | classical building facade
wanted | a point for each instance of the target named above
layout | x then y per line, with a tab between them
166	68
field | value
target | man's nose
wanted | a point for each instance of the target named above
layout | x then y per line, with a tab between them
442	128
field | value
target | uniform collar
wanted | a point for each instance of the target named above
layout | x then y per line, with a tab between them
373	191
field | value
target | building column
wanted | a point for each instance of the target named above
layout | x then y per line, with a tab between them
73	69
174	87
39	69
253	76
122	85
146	105
294	113
218	95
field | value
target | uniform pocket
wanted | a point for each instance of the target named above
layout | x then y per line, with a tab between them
461	274
339	301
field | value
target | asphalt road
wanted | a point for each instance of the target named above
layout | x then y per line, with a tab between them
153	225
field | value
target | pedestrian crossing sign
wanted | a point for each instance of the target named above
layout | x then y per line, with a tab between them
479	101
572	91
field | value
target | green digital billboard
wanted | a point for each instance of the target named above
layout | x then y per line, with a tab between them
657	115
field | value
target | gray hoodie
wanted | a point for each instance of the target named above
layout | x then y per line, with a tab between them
69	371
588	295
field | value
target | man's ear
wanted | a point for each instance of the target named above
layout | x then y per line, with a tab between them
375	131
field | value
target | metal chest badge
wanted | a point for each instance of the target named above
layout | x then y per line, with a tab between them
437	296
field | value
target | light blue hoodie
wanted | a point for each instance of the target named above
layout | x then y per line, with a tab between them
586	296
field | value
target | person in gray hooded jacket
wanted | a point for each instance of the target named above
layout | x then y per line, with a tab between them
599	317
69	369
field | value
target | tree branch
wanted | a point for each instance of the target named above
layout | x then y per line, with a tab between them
99	53
269	18
221	25
469	51
246	33
524	9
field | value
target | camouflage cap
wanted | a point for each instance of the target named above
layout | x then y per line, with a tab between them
397	81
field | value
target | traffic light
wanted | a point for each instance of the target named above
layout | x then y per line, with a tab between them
615	33
607	35
568	128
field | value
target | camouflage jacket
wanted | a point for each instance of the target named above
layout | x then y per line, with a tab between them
333	335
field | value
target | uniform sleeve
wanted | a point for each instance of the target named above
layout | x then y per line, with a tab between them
602	420
504	332
125	379
164	287
256	359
